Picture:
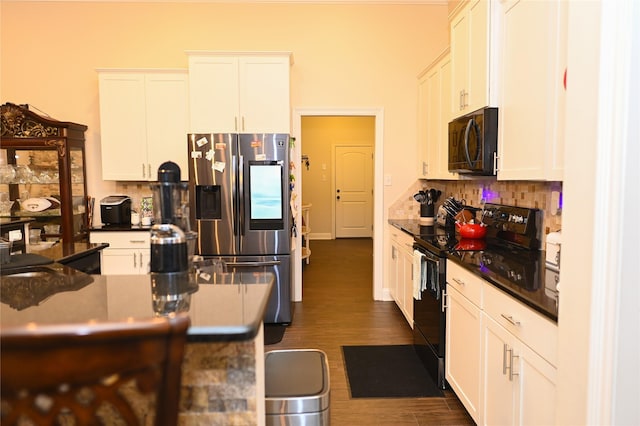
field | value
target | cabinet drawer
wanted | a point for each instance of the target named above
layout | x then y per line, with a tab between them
465	282
402	239
126	240
536	331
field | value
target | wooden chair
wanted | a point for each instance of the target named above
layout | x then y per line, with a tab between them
94	373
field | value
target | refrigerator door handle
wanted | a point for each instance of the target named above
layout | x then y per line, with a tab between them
253	264
234	198
241	193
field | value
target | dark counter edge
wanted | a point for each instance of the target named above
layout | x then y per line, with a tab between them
120	228
231	333
477	273
91	248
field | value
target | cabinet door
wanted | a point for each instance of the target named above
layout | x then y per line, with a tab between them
533	50
459	61
470	57
264	94
478	64
213	94
536	398
434	88
167	112
499	388
123	135
463	350
423	123
407	283
393	273
123	262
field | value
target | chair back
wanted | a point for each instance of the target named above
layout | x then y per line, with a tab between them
98	373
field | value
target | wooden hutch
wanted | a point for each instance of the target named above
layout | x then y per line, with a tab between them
43	172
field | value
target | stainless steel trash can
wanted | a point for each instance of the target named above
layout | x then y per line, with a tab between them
297	387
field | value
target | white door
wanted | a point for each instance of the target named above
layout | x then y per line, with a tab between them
353	191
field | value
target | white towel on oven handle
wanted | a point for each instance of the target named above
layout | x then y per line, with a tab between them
419	283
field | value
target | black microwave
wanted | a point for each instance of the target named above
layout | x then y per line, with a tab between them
473	142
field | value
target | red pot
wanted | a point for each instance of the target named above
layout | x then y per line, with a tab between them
467	244
472	230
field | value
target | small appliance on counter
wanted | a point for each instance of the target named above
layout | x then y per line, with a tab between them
116	210
554	241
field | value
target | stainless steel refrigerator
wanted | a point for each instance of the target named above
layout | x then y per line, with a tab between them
239	193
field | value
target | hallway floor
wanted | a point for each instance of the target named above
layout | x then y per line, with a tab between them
337	310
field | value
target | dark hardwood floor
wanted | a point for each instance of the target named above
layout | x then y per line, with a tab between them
338	309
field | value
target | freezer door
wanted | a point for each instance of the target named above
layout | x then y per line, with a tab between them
264	213
213	192
279	307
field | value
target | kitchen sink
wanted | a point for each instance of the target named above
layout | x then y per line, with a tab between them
28	286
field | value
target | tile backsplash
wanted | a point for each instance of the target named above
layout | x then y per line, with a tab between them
136	190
515	193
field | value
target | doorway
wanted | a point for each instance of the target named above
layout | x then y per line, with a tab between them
377	117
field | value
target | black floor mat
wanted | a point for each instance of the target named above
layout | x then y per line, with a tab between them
273	333
391	371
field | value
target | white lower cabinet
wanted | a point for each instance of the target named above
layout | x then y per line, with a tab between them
128	252
501	355
520	351
463	352
401	272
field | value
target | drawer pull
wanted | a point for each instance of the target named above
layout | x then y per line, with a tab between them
510	319
511	373
137	241
505	349
458	281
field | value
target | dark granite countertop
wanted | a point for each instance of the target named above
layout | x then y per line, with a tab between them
222	307
64	253
533	290
120	228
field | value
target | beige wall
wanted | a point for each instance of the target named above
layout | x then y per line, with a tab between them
345	56
319	135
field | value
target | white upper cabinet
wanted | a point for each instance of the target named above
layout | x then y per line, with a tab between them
239	93
470	29
434	113
143	122
532	64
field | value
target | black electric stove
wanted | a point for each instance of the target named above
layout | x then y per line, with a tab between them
508	257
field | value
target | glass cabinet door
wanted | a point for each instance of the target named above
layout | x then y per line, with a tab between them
33	185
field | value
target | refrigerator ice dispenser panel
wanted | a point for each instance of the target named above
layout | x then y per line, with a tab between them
208	202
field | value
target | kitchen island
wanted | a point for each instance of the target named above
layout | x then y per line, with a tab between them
223	368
